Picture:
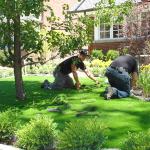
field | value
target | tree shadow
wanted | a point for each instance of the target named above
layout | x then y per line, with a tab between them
36	97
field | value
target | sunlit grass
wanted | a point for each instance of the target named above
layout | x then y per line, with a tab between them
119	115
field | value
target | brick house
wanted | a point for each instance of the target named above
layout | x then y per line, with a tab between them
112	36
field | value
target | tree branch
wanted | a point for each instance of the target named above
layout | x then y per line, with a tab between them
40	62
25	56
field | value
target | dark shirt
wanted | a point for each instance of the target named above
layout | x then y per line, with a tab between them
128	62
65	66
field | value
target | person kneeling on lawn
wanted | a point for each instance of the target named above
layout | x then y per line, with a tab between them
62	71
118	74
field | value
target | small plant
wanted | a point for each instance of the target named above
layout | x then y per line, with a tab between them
8	126
112	54
98	54
38	134
138	141
82	135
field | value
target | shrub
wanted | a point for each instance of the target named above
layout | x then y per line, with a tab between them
8	125
100	63
144	80
6	72
138	141
82	135
112	54
40	69
98	54
38	134
99	67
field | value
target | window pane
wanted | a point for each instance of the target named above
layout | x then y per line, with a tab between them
107	34
115	34
115	27
102	27
102	35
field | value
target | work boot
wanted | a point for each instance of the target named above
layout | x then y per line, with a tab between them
109	92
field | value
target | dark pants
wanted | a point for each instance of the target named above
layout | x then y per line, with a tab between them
61	81
120	80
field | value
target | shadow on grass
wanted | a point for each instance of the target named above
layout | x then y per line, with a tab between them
36	97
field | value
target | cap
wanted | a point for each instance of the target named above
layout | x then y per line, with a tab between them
84	52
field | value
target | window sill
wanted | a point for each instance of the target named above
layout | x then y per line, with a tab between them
110	40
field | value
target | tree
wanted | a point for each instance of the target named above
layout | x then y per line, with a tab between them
17	35
137	29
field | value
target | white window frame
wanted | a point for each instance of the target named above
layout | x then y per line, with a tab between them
98	38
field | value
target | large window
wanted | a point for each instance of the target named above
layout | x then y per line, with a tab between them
107	31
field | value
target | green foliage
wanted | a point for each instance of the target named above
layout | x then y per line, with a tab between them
112	54
3	59
38	134
97	54
137	141
8	126
82	135
144	80
100	63
96	71
30	37
63	42
109	12
98	67
77	33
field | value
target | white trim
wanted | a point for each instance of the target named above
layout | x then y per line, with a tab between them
98	38
111	32
96	33
110	40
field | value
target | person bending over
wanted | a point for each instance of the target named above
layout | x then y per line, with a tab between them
122	75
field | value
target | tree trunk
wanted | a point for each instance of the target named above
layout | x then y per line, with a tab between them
20	94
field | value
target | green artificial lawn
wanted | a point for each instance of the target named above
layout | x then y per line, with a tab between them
119	115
